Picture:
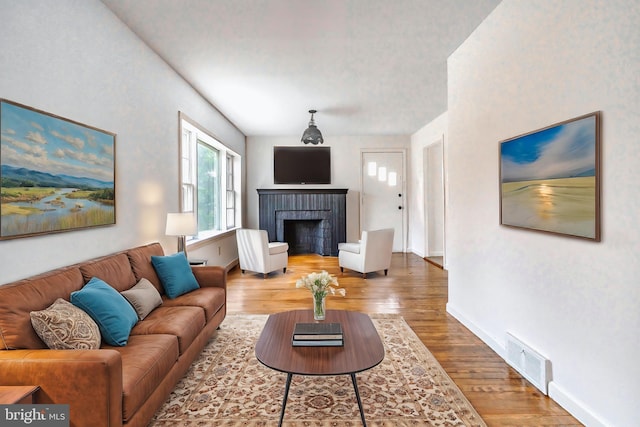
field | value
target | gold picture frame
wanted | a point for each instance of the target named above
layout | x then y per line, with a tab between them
56	174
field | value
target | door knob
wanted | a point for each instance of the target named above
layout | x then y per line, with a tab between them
400	207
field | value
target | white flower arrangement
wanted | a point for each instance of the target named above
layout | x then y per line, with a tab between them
321	284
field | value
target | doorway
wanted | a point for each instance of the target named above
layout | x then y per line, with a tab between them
384	193
433	169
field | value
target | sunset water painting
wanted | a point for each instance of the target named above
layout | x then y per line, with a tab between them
55	174
549	179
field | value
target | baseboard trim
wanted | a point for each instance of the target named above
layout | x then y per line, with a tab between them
232	264
576	408
416	252
489	340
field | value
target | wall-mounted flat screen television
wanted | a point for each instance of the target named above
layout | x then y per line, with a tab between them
302	165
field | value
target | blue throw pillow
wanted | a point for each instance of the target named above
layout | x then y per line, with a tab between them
110	310
175	274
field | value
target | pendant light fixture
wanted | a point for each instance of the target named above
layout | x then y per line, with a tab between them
312	134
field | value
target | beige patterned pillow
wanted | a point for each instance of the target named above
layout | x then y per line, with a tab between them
63	326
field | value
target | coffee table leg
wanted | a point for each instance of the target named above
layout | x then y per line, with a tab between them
286	394
355	387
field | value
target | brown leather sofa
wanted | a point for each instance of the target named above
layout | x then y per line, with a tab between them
110	386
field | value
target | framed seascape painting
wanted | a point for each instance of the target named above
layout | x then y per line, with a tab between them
550	179
55	174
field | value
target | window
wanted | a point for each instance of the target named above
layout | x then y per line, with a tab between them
231	193
210	180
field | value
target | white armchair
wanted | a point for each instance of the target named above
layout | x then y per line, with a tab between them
257	254
371	253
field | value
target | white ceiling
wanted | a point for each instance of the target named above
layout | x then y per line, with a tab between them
370	67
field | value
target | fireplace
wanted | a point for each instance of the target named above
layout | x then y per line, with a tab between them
310	221
306	231
304	237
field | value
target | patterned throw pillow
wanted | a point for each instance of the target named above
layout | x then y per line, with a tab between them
63	326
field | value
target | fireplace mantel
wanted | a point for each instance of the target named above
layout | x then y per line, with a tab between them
325	205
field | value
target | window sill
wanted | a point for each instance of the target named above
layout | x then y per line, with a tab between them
209	238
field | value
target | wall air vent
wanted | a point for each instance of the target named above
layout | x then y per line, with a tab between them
529	363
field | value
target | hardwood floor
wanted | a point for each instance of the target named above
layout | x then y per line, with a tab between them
438	261
417	290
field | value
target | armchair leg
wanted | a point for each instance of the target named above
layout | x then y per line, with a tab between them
242	271
364	275
264	275
385	271
284	270
341	269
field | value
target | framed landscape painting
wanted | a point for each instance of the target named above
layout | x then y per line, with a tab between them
55	174
550	179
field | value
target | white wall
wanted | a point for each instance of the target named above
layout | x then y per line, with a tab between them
426	136
529	65
75	59
345	169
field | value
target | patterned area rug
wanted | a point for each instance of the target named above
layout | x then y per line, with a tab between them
227	386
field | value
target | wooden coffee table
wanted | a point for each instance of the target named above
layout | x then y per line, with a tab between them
362	349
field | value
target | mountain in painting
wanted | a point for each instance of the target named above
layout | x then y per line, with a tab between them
23	177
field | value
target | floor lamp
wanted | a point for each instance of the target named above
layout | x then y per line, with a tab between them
181	224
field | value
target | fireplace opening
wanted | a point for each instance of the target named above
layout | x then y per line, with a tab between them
306	232
304	236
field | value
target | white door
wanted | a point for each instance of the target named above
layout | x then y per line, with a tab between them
383	193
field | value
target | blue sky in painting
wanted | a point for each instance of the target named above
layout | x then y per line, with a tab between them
47	144
562	151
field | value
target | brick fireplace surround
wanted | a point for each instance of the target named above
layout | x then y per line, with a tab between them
311	221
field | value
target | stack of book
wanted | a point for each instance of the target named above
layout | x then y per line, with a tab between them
317	335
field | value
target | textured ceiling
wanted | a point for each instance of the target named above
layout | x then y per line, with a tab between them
370	67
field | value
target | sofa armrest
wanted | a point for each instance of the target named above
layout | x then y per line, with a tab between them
89	381
211	276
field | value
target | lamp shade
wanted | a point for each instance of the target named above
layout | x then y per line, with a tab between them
312	134
181	224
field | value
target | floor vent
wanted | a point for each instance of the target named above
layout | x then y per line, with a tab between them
529	363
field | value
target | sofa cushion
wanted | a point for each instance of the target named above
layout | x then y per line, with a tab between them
146	361
140	259
63	326
175	274
144	297
20	298
185	323
110	310
210	300
113	269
